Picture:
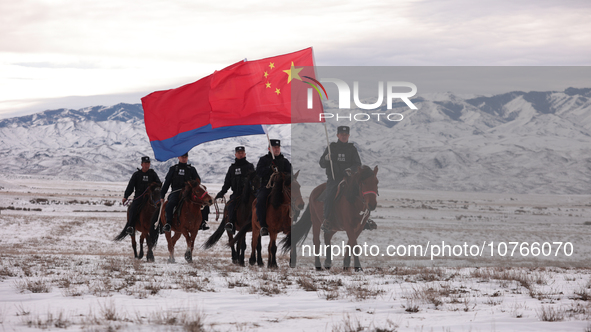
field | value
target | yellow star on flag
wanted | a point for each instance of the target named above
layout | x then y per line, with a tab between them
293	72
271	65
277	91
266	74
268	84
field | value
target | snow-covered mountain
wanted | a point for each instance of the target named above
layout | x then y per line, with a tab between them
517	142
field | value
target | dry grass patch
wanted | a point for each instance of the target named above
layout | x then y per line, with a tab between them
550	314
33	285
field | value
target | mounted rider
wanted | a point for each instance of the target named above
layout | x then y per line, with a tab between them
177	176
266	166
345	157
139	182
235	177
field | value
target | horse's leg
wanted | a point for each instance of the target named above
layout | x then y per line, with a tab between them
316	222
133	244
272	261
190	237
254	243
352	242
150	254
142	237
171	242
241	250
327	241
234	248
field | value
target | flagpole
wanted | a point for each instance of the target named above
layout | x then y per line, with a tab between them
266	129
328	147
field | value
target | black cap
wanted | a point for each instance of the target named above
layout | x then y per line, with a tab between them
275	142
343	129
145	159
239	148
186	154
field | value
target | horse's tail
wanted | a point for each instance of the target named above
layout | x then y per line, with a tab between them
299	231
215	237
245	229
154	231
121	235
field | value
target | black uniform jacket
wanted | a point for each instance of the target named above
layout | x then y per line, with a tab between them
177	176
344	155
140	181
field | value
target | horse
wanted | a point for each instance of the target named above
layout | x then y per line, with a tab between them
150	204
357	196
243	217
285	198
194	197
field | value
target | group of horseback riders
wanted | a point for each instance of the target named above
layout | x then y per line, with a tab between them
344	157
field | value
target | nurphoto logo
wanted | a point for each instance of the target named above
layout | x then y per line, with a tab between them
345	99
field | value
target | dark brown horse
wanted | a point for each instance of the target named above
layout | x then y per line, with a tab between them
284	199
243	217
149	205
193	198
358	196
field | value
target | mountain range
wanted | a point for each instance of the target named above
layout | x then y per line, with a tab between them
516	142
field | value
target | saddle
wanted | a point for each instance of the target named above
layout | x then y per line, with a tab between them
322	197
177	210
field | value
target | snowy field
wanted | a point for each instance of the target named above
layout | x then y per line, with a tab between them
59	269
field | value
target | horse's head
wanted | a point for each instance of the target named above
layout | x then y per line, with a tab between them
254	181
297	202
368	185
197	193
154	191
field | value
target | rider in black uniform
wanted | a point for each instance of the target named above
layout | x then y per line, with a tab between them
176	177
265	168
138	183
235	178
344	157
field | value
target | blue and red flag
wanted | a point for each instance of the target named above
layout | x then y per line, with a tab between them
234	101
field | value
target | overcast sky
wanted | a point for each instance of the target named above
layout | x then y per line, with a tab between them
66	53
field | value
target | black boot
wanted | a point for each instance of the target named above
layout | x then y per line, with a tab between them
129	230
203	226
167	227
264	231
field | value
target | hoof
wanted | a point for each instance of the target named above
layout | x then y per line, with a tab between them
150	257
318	268
188	257
358	269
171	260
327	267
251	261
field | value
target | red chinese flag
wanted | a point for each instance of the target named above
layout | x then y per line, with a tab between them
268	91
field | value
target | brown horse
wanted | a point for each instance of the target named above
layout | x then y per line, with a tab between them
243	218
149	205
357	196
193	197
284	199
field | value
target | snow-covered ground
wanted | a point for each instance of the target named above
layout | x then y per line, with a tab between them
59	269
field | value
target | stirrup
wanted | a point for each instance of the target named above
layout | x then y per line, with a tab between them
229	227
264	231
167	227
129	230
203	226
